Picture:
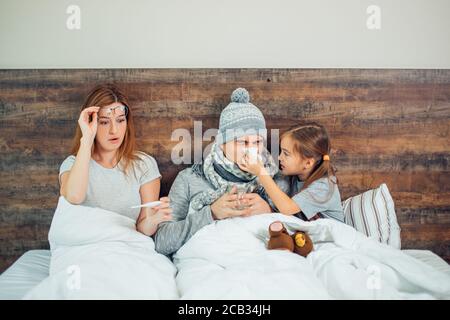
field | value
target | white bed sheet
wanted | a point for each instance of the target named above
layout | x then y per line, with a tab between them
430	258
28	271
32	267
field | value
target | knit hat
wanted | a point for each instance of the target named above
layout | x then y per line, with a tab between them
240	118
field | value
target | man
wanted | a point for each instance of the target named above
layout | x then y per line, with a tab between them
204	193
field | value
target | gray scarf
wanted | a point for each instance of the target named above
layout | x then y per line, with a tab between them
223	174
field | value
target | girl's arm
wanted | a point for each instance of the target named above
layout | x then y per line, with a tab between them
281	200
149	218
74	183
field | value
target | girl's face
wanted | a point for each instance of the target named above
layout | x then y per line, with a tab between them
112	125
291	162
235	150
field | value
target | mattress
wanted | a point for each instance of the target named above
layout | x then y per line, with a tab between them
32	267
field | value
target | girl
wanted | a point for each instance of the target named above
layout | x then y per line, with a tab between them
105	170
312	191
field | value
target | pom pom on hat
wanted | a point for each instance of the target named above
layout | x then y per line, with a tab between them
240	95
239	118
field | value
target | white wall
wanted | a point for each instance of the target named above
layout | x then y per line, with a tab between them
226	33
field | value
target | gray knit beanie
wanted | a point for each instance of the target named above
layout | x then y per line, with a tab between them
239	118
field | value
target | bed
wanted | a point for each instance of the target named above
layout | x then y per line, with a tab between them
30	273
32	267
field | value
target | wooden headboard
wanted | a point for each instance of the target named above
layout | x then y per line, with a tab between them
389	126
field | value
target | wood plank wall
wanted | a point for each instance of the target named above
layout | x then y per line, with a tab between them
387	126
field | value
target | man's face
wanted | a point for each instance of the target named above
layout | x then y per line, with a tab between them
235	150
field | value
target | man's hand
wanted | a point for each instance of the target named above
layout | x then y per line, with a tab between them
225	206
257	205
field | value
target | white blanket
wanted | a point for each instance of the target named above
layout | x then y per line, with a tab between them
98	254
229	260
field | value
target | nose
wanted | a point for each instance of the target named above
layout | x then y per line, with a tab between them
113	127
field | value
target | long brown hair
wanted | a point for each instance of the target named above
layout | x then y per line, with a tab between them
103	95
311	140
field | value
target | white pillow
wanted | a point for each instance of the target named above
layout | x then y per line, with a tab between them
373	214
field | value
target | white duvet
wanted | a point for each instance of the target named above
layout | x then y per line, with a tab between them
229	260
98	254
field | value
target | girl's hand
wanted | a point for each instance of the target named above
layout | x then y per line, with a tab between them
88	128
254	167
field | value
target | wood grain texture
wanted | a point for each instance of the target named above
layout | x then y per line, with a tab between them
387	126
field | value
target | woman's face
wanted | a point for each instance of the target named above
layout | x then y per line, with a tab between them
112	125
235	150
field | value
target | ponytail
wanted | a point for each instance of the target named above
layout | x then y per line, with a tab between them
323	168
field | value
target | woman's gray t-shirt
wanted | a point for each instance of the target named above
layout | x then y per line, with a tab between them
112	189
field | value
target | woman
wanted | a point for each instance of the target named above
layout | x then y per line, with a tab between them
105	170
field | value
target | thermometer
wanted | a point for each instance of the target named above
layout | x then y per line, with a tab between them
151	204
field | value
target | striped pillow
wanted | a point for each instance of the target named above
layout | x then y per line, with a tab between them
373	214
